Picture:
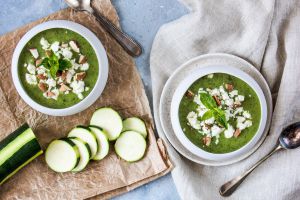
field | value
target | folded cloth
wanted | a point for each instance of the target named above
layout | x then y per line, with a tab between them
267	34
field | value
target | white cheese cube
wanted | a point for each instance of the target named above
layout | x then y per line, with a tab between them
84	66
240	119
228	133
67	53
31	79
31	68
247	115
45	44
34	53
55	46
216	130
193	121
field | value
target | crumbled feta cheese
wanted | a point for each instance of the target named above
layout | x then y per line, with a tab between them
80	96
215	92
84	66
67	92
216	130
225	96
228	133
233	93
248	123
201	111
77	86
31	68
51	82
240	98
229	102
210	75
210	120
45	44
70	75
31	79
67	53
55	46
247	115
244	125
41	70
25	65
74	46
239	110
34	53
74	64
240	119
56	93
86	89
193	121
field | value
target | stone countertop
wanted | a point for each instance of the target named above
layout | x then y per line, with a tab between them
139	18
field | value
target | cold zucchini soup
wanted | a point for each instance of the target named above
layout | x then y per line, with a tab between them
58	68
220	113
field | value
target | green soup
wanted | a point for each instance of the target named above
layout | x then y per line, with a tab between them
62	36
247	101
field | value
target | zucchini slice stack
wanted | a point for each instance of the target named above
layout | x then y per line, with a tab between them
85	143
17	150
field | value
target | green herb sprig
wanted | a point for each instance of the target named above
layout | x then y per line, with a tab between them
219	115
55	64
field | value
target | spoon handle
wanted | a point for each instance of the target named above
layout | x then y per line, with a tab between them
131	46
228	188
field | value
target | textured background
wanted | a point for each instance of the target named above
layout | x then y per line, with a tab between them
140	19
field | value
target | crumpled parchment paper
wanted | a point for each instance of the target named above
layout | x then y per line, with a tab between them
124	92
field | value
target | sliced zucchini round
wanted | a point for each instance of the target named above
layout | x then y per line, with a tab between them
62	155
130	146
109	120
102	140
86	135
84	152
135	124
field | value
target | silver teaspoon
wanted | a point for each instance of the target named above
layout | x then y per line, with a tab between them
131	46
288	139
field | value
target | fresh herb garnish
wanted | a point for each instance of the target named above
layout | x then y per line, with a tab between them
219	115
53	63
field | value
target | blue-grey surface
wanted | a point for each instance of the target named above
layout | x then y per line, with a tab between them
139	18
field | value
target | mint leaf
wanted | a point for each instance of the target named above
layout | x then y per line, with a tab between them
220	117
53	70
64	64
208	101
45	63
207	115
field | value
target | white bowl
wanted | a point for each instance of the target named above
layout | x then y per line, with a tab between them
183	87
101	56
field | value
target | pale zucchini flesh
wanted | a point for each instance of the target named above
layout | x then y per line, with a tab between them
102	140
17	150
135	124
109	120
86	135
130	146
84	153
62	155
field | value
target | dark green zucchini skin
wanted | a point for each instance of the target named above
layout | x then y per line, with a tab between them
22	155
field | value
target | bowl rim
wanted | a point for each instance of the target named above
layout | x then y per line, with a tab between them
102	64
187	82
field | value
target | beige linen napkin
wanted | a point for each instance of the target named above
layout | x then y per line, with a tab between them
267	34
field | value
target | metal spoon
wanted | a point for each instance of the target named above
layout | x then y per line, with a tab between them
131	46
288	139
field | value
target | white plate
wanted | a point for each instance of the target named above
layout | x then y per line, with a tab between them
100	53
164	121
180	92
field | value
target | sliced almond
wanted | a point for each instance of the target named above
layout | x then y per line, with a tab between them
64	88
82	59
74	46
41	76
48	53
34	52
229	87
206	140
43	87
80	76
63	75
217	100
189	94
237	132
50	94
38	62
